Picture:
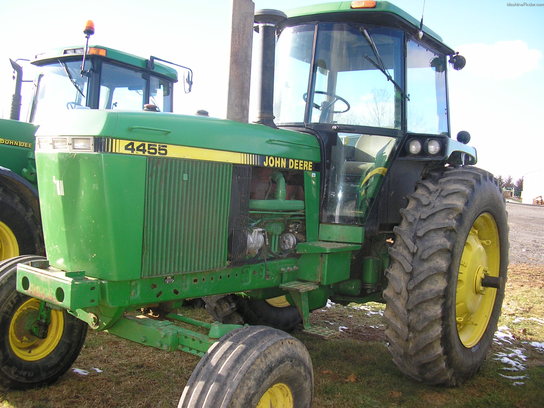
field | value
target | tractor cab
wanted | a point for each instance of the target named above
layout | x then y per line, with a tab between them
370	82
105	79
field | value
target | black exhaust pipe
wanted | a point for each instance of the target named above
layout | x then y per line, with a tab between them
16	98
266	21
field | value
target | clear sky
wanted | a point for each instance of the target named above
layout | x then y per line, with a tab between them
498	97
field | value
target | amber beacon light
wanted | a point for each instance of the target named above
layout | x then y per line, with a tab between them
363	4
89	28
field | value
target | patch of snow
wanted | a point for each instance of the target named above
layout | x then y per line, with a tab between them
370	311
342	328
514	377
522	319
536	319
503	335
539	345
98	370
513	360
80	371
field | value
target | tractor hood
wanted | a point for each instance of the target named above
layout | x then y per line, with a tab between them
212	138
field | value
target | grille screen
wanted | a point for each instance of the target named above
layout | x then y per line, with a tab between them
186	216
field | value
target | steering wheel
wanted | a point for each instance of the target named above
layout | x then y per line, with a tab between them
326	105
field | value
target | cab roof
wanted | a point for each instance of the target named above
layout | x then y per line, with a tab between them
376	12
108	54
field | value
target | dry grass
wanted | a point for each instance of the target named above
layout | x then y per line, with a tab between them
351	370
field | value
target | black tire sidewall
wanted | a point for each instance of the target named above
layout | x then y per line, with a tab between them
260	312
485	198
244	364
25	226
288	369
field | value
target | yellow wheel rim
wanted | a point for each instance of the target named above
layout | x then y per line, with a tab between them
277	396
474	302
279	301
23	342
8	242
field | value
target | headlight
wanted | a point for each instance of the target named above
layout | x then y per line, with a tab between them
433	147
414	146
65	144
59	143
82	144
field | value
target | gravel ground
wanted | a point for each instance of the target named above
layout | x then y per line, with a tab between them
526	234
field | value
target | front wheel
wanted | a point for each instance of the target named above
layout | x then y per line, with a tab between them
253	366
447	276
37	344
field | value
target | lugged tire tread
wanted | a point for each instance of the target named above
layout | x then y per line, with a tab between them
417	276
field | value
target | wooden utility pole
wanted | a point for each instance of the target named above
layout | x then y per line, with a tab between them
240	59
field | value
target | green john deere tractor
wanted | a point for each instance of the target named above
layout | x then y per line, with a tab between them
350	189
106	79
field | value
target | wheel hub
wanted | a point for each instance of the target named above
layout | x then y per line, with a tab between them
277	396
479	261
22	338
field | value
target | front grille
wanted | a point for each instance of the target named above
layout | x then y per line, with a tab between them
186	216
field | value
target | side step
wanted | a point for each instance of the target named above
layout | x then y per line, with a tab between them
299	292
299	286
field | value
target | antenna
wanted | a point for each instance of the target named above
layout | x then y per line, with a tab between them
420	33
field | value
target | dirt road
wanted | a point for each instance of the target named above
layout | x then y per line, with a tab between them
526	234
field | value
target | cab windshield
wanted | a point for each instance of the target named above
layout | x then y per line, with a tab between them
61	86
354	77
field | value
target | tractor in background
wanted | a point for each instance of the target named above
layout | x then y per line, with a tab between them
105	79
351	188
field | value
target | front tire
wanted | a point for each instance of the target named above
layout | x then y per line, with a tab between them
253	366
28	360
450	251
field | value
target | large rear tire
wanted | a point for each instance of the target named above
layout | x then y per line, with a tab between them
28	360
253	366
20	231
447	276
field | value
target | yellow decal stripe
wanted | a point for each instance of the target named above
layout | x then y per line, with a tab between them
139	148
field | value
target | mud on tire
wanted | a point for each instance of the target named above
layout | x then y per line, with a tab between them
453	236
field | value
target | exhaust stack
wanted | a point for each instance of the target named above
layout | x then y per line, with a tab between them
15	113
266	21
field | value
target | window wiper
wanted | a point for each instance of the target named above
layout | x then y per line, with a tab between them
379	64
74	82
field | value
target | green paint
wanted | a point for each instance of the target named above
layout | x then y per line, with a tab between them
92	212
111	54
16	147
166	335
194	239
69	290
276	205
382	7
341	233
371	270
